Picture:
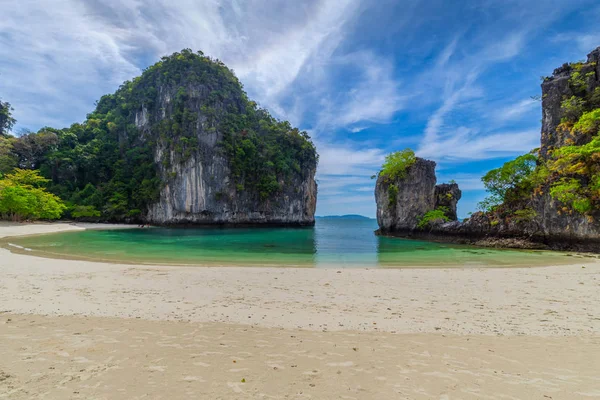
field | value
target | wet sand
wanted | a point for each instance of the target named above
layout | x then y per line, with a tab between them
76	329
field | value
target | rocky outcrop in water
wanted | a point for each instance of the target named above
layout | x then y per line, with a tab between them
217	156
540	219
402	202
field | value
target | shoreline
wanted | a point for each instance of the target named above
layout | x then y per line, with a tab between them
79	329
9	231
492	240
406	300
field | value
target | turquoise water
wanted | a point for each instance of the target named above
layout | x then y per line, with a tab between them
336	243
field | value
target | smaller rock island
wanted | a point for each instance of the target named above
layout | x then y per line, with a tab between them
408	198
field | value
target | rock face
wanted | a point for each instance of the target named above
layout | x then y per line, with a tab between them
198	183
551	223
202	192
403	201
554	90
447	195
540	221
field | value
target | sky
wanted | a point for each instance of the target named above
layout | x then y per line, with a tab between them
452	80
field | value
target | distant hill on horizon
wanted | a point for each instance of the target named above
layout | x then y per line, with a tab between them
347	216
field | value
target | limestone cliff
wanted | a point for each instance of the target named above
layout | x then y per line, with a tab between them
402	202
560	207
220	159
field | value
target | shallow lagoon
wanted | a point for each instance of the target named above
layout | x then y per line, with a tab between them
334	243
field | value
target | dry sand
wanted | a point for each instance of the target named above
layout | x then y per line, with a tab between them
110	358
74	329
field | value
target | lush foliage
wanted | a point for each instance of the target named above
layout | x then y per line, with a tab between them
583	99
395	164
104	168
589	122
577	176
23	196
263	152
6	119
8	158
509	183
437	215
570	174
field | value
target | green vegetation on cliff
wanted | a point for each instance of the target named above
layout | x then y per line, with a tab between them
570	172
23	196
396	164
510	183
105	167
433	216
394	167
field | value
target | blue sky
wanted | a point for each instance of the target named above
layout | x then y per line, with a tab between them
452	80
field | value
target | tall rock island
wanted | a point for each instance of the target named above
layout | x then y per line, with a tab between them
404	200
183	144
549	198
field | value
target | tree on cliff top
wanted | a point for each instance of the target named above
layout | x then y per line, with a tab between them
6	119
396	164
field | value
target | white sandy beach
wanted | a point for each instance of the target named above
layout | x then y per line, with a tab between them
75	329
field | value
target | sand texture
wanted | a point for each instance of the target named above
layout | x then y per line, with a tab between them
110	358
76	329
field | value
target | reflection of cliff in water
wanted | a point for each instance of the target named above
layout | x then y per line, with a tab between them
334	244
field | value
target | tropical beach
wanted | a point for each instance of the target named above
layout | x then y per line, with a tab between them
316	199
80	329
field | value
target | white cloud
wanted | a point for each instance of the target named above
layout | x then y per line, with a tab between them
586	41
374	98
74	51
275	66
365	188
442	141
340	159
465	144
347	204
515	111
466	182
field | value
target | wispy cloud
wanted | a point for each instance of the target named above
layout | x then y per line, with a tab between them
465	144
366	78
585	41
375	97
453	141
517	110
344	159
73	52
466	182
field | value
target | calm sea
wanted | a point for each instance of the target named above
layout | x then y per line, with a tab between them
334	243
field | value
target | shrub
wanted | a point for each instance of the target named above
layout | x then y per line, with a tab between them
589	122
570	192
511	182
85	212
572	108
22	197
396	164
525	215
439	214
